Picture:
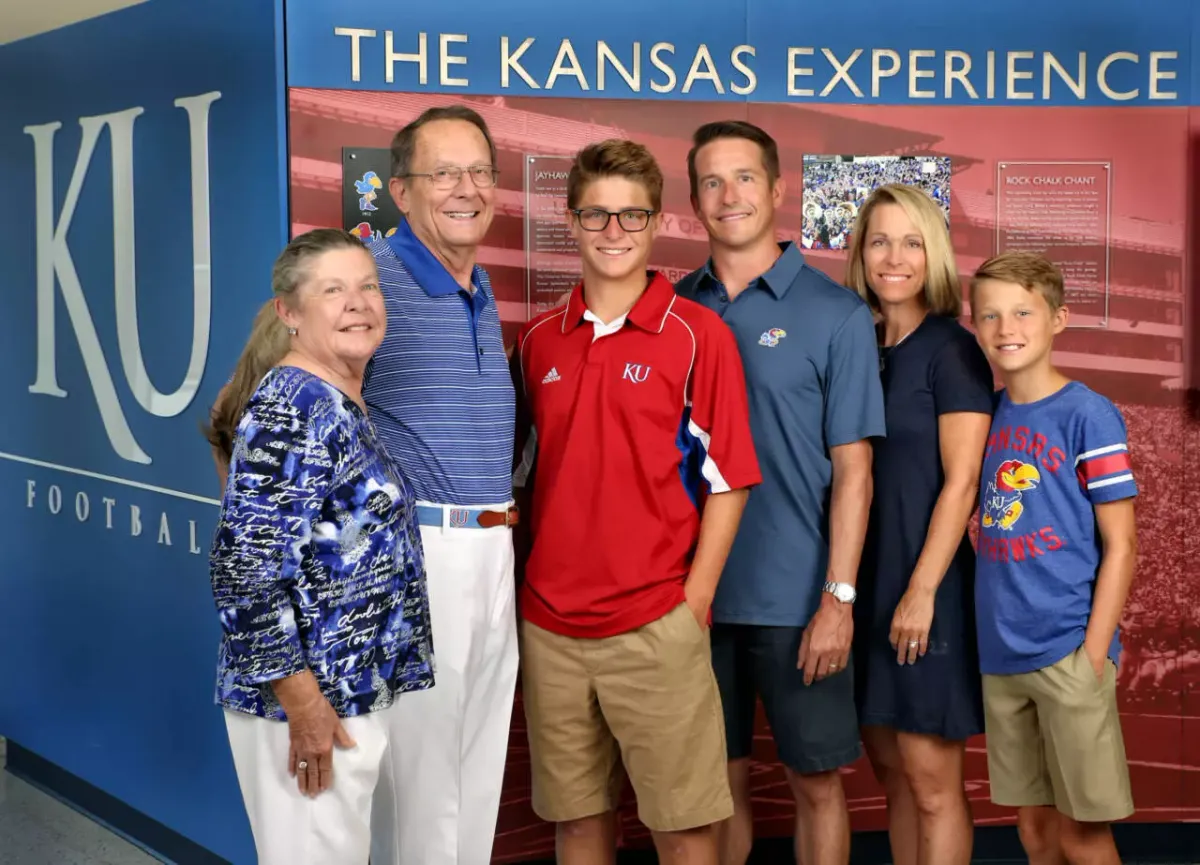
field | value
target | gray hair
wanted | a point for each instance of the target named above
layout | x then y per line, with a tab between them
291	267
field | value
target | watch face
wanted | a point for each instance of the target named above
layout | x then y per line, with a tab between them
842	592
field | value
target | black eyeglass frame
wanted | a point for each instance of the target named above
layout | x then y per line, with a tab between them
609	214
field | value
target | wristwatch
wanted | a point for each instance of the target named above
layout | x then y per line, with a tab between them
844	592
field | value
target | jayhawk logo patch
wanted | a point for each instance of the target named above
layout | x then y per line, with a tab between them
1002	505
770	338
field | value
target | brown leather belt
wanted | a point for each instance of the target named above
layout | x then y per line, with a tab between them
491	519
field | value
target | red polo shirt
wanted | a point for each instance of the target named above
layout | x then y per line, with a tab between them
634	423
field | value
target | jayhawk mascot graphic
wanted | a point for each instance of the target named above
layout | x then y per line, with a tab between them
1003	505
368	188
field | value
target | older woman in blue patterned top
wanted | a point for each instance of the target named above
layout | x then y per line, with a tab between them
317	572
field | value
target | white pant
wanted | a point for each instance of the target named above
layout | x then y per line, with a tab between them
293	829
443	809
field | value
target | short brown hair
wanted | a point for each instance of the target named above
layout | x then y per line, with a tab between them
615	158
404	144
943	291
1030	270
710	132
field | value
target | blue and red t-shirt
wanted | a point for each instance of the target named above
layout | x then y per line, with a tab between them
1047	464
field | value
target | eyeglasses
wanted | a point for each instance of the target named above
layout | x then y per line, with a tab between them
483	176
631	219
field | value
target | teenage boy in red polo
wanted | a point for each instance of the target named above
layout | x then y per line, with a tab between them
635	405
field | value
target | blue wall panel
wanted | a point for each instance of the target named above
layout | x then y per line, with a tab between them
107	491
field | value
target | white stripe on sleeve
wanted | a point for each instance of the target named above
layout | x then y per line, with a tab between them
709	469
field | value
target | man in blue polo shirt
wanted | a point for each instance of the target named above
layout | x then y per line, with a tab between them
782	613
441	397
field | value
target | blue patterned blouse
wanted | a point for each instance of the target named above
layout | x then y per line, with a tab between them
317	561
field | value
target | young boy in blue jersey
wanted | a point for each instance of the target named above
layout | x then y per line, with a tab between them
1056	554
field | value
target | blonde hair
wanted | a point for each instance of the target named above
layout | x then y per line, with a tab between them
269	338
943	291
1031	271
269	341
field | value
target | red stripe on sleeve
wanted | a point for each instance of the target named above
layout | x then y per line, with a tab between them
1105	465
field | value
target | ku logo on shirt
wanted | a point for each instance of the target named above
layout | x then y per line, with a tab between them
1002	504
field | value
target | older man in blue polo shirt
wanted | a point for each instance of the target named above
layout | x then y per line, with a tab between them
440	394
782	613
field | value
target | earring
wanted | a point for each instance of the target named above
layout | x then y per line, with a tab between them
291	331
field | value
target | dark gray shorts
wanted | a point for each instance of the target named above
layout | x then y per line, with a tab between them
815	726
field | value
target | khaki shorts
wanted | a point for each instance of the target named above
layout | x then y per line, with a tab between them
648	698
1054	738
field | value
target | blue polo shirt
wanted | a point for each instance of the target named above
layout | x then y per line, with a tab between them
439	389
812	376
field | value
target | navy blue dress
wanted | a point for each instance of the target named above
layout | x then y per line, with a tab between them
938	369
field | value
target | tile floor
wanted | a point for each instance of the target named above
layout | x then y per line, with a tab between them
36	829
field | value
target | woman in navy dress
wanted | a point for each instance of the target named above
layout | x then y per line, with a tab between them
917	678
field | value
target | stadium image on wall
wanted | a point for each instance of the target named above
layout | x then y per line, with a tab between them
835	187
